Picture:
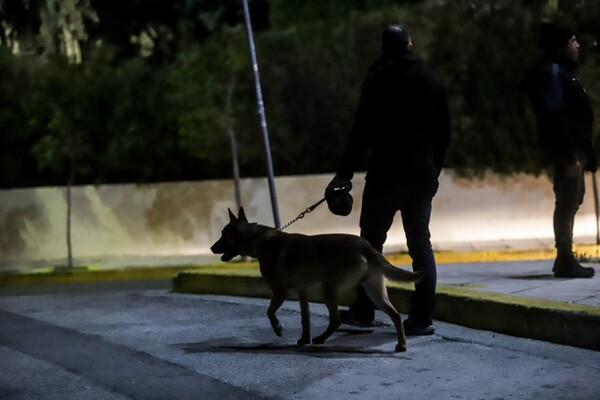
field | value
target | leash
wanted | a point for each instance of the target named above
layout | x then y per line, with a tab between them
303	213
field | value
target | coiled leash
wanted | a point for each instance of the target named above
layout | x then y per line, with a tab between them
339	201
303	213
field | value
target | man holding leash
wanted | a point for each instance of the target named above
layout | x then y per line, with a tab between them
403	120
564	118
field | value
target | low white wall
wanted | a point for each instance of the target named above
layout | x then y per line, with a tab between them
186	218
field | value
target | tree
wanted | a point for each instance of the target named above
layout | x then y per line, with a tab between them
46	27
65	148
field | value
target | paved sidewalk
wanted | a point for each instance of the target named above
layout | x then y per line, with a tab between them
526	279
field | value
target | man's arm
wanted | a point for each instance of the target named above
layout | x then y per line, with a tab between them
554	108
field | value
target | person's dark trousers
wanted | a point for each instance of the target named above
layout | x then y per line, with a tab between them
569	193
379	206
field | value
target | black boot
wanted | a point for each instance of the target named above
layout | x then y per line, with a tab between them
566	266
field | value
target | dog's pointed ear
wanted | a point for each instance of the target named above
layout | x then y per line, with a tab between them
232	217
242	215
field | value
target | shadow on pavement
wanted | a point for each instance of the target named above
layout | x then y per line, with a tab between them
534	277
367	349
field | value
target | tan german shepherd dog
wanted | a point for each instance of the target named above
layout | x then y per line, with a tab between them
293	261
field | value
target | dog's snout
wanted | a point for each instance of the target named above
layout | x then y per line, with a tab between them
217	248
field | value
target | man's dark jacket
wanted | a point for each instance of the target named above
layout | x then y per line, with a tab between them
403	118
563	113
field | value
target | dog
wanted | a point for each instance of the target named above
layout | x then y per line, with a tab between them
294	261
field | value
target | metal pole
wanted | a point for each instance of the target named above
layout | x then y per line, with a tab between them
233	143
596	206
263	118
236	169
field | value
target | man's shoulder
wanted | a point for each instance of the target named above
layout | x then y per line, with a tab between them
408	69
548	69
413	66
541	74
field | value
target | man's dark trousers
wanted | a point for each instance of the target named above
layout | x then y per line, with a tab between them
569	193
381	201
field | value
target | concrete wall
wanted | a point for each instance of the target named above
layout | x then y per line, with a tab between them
186	218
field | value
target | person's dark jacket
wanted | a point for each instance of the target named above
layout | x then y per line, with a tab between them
563	113
403	119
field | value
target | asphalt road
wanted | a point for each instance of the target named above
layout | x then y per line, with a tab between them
136	340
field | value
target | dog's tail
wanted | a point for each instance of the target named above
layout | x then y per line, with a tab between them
390	271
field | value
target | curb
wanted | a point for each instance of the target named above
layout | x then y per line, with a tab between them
90	274
551	321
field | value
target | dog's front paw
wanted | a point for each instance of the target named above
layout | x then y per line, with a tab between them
278	329
303	340
318	340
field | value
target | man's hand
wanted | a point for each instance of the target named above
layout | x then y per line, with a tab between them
339	182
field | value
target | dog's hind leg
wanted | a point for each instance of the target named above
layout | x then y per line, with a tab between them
330	296
377	292
305	315
277	300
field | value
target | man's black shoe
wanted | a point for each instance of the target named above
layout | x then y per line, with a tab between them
568	267
574	272
410	329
